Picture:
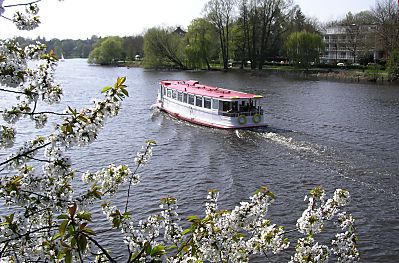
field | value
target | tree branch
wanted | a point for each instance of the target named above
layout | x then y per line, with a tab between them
24	4
100	247
24	154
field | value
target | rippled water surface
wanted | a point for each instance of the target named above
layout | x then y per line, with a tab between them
337	135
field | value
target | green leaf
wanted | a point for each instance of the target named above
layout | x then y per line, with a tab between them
63	216
193	219
82	243
186	231
84	215
68	256
148	248
120	81
56	236
89	231
158	251
106	89
63	226
124	91
97	194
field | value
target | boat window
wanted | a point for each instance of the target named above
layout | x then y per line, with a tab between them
185	97
164	90
225	105
215	104
174	94
169	94
191	99
244	106
198	101
234	107
179	96
207	103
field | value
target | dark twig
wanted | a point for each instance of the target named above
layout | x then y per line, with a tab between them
100	247
24	4
24	154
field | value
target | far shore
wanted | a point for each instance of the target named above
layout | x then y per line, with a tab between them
361	75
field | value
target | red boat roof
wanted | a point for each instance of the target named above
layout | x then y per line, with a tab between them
194	87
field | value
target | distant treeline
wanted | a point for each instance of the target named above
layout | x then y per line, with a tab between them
70	48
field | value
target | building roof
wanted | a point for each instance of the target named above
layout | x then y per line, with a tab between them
194	87
180	31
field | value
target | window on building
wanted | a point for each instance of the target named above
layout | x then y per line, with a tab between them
198	101
191	99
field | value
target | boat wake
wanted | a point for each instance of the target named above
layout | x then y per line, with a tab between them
344	164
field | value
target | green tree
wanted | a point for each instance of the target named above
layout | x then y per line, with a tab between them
220	14
303	48
108	51
393	65
201	46
163	48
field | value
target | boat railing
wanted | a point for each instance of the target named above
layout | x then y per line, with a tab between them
236	114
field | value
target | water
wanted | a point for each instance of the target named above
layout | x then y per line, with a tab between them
336	135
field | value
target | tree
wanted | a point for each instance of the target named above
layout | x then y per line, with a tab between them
386	14
48	219
108	51
303	48
221	13
163	48
393	65
261	22
201	46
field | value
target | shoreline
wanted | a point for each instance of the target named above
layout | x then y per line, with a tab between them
329	74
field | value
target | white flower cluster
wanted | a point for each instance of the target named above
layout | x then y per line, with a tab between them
344	244
223	239
40	120
110	178
307	250
211	206
145	233
145	154
13	64
28	21
7	137
312	222
170	220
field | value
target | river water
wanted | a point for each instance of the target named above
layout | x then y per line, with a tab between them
337	135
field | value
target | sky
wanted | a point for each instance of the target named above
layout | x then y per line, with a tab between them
80	19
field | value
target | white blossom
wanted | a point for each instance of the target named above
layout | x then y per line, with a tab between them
7	137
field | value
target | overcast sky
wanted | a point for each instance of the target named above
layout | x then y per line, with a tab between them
84	18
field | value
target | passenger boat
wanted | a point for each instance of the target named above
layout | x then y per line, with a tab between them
210	106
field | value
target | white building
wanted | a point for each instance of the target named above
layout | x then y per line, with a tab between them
347	43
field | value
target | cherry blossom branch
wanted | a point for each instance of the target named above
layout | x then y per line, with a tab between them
100	247
23	4
13	91
45	228
9	19
44	112
24	154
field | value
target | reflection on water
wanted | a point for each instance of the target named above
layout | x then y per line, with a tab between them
336	135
